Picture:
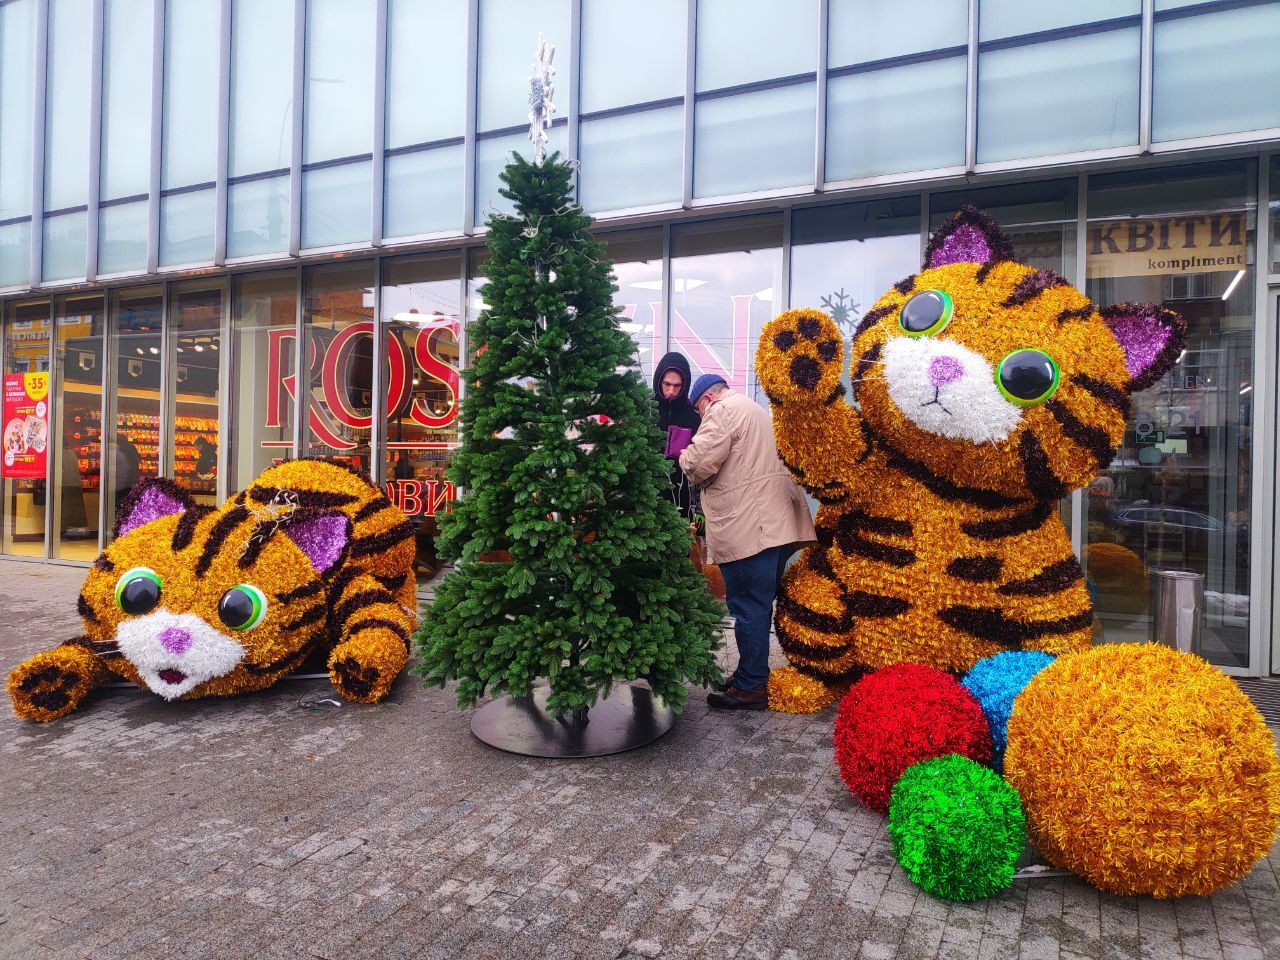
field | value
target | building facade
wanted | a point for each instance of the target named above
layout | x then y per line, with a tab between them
238	230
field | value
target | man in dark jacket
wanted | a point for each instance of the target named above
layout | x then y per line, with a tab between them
678	421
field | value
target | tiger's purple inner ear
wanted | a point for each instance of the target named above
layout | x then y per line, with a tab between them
148	501
969	236
323	537
1151	336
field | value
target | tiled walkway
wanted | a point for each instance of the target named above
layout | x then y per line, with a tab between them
264	827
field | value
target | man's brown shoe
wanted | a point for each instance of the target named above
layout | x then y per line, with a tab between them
735	699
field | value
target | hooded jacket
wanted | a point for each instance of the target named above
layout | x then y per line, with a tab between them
678	412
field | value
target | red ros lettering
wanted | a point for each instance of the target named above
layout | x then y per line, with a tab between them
438	370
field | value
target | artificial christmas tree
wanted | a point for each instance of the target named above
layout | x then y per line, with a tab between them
561	464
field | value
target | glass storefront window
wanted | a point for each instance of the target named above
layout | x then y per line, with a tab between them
133	420
632	160
338	317
421	305
1177	495
637	268
27	336
77	421
726	126
263	378
740	41
195	356
612	27
1038	218
725	281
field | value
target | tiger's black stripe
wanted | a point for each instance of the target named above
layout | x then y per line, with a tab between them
830	499
1091	438
821	622
792	645
313	499
837	393
941	486
104	648
854	544
795	471
991	624
104	563
289	660
313	614
1109	394
905	285
378	542
1031	286
772	399
306	590
870	319
85	611
1041	480
1052	579
976	569
984	271
819	564
825	534
376	505
392	583
868	441
372	622
848	675
217	536
186	529
258	540
1080	313
1022	522
362	598
869	523
865	363
863	604
344	579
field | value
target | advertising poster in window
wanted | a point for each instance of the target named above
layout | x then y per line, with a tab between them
26	424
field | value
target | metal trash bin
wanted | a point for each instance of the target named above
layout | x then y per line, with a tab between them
1179	609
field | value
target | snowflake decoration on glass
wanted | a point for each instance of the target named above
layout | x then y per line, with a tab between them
843	310
541	90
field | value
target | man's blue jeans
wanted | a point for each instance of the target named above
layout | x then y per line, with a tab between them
750	587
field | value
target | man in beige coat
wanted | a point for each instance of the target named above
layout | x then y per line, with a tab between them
756	516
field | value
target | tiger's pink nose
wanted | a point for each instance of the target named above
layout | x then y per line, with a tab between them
942	370
175	640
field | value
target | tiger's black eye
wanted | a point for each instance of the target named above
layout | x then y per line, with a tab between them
242	607
1027	377
926	313
138	590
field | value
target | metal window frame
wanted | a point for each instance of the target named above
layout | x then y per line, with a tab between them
572	151
690	95
39	126
93	195
971	92
377	170
1263	655
221	186
295	125
472	111
157	135
820	114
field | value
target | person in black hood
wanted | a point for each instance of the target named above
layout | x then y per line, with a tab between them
678	421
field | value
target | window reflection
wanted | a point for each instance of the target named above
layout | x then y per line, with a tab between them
195	344
264	325
637	267
133	436
1038	218
77	467
27	334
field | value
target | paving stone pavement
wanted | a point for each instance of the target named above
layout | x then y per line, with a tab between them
260	828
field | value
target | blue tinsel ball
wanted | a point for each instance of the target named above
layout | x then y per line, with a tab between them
995	682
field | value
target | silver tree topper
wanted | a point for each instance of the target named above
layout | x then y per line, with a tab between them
541	90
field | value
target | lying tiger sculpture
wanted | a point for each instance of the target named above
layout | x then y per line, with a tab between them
190	602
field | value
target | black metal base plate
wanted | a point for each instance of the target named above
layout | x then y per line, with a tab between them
631	717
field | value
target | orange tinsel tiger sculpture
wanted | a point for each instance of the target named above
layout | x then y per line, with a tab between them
983	391
191	602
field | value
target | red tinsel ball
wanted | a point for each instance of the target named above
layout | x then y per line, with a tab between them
902	715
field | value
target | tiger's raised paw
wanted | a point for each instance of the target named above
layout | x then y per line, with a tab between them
52	684
800	358
364	668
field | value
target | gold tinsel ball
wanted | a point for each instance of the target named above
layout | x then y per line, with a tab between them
1144	770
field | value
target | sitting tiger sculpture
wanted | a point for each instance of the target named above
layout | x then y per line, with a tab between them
983	391
192	602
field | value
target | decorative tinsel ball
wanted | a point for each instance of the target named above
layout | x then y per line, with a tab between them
995	681
957	828
901	715
1144	770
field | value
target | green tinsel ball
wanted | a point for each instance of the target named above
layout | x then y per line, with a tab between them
957	828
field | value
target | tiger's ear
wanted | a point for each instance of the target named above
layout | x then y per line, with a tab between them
323	535
969	236
1151	336
148	501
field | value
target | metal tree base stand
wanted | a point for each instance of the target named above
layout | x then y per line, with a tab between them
631	717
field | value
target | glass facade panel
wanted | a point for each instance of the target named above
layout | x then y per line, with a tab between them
1013	18
875	119
64	247
424	192
190	98
258	217
17	105
339	113
15	253
508	43
264	336
744	40
637	269
862	31
726	129
1216	73
421	306
1095	103
1275	214
27	336
126	97
726	276
186	227
67	103
633	160
492	154
261	85
414	26
1177	496
338	311
122	238
612	27
336	205
196	356
77	461
1038	218
133	408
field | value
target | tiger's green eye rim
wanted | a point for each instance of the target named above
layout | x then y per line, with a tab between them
948	311
131	575
257	598
1019	401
